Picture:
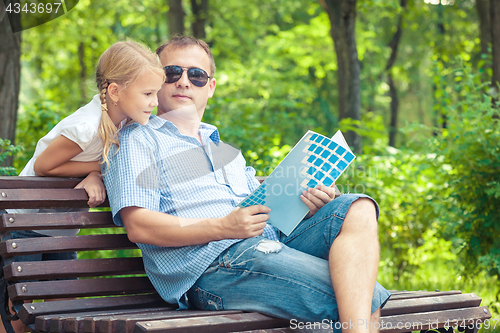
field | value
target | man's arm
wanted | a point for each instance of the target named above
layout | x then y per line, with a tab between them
150	227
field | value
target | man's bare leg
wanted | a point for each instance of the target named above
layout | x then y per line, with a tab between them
354	258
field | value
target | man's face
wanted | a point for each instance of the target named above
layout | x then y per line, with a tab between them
183	93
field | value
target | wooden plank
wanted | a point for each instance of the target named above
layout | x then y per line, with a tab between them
76	323
8	182
45	198
126	323
79	288
73	322
427	304
15	247
212	324
64	269
30	311
418	294
43	221
433	320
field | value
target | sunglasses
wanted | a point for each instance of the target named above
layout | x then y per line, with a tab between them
197	76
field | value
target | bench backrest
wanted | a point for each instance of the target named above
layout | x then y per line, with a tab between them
117	273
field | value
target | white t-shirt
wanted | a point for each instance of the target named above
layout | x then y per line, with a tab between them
80	127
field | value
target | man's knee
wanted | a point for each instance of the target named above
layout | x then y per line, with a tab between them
362	214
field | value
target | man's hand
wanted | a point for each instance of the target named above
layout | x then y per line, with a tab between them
245	222
315	198
95	188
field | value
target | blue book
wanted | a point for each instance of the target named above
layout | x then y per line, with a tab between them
315	160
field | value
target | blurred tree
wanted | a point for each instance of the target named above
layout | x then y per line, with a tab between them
394	44
176	16
200	15
495	35
342	14
10	70
484	16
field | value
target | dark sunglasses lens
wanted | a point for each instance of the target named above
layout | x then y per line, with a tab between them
198	77
173	73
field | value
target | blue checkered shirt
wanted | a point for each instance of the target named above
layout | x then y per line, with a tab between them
160	169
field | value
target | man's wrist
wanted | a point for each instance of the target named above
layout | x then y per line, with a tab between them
216	227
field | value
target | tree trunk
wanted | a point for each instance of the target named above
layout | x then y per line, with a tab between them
442	33
495	34
83	72
342	15
175	18
483	12
394	110
10	70
200	13
394	44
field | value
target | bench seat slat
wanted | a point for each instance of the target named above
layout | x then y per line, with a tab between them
434	303
212	324
80	288
418	294
434	319
57	269
73	322
44	221
65	244
126	323
45	198
29	311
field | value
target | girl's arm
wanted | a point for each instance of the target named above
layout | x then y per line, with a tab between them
55	160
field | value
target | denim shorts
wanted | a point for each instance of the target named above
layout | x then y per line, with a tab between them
290	282
40	256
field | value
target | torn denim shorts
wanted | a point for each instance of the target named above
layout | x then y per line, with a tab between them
288	278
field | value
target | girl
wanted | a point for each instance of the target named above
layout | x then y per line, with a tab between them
128	77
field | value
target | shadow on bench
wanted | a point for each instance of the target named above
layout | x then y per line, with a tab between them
114	294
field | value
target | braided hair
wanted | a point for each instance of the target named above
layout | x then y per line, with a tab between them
122	64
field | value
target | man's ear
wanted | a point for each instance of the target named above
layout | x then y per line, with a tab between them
113	92
211	87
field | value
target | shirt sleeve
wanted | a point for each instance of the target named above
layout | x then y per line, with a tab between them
133	177
252	182
81	133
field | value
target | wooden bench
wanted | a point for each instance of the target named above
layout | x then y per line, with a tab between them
114	295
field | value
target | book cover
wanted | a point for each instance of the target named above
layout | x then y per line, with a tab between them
314	160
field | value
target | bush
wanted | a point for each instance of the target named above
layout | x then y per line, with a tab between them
471	193
33	123
6	149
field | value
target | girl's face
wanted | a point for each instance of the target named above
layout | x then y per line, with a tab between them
140	97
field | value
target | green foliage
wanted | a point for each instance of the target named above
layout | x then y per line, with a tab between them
470	150
276	79
36	120
6	149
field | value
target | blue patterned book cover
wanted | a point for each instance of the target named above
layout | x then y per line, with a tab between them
314	160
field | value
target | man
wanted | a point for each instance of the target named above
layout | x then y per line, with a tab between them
177	202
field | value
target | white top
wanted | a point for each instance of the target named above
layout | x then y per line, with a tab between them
80	127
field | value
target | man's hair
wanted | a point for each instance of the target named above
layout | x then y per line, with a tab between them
178	42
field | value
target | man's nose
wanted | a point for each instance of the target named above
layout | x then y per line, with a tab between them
183	81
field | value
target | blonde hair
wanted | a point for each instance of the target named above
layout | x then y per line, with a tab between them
122	64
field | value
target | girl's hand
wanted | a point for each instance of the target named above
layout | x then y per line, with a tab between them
95	188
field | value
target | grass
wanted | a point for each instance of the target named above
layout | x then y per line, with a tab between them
445	275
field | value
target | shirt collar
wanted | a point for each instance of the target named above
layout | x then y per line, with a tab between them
206	130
